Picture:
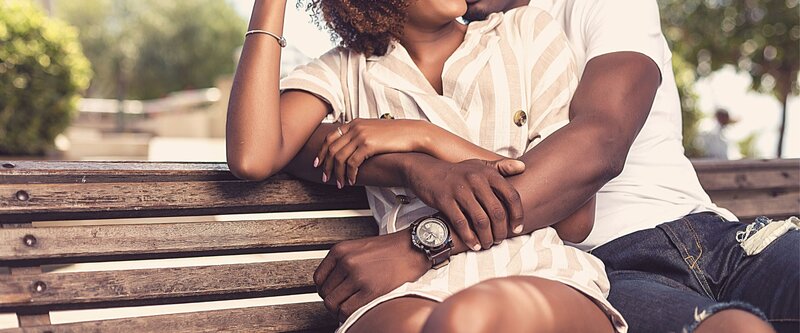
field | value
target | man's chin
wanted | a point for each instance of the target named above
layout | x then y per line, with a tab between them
475	13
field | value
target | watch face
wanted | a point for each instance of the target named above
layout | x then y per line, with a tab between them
432	233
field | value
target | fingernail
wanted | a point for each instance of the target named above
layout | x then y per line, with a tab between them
476	247
518	229
351	182
324	178
316	162
339	184
496	243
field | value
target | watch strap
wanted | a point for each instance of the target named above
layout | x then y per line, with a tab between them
441	257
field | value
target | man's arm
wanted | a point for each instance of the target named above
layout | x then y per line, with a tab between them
609	108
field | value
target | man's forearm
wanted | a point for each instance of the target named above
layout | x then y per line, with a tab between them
544	181
562	173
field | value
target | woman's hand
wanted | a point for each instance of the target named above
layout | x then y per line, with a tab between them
346	149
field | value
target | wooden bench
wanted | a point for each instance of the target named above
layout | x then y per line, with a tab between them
72	191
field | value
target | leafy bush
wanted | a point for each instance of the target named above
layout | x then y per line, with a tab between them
42	72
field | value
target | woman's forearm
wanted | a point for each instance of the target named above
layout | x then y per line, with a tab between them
253	132
424	136
449	147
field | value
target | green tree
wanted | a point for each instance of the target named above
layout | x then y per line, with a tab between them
143	49
759	37
42	73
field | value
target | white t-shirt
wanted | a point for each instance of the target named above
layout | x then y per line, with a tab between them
658	183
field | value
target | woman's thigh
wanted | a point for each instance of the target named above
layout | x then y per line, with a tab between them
404	314
518	304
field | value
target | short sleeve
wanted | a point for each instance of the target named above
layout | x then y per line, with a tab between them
322	77
553	74
623	25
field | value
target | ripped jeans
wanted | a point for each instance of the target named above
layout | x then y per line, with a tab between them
669	278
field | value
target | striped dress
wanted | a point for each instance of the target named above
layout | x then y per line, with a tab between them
505	88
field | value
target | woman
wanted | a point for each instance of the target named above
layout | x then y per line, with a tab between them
502	84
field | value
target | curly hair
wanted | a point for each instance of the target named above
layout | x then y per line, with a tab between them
364	26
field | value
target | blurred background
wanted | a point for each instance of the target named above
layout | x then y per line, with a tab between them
150	80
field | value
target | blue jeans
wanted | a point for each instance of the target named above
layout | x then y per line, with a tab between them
663	279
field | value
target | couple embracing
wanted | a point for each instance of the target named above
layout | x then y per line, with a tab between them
525	170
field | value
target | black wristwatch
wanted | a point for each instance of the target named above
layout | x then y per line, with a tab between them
431	235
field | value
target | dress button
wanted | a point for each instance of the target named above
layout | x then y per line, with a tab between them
520	118
387	116
402	199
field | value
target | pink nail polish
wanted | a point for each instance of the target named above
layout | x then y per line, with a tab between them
351	182
324	178
316	162
339	184
476	247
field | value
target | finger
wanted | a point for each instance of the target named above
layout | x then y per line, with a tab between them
323	151
478	218
354	162
338	295
496	210
512	201
330	158
460	225
333	281
324	269
356	301
340	161
508	167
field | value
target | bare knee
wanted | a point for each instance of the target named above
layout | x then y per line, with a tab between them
489	306
407	314
734	321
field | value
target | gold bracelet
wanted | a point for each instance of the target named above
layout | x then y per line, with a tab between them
280	39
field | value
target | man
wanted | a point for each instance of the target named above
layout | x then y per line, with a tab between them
658	185
623	143
713	142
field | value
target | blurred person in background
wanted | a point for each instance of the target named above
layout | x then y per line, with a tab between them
714	142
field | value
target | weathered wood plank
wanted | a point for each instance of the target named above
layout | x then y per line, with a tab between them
703	166
41	202
141	285
32	172
750	179
201	238
747	206
306	317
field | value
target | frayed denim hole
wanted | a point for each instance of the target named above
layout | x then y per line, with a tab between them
699	316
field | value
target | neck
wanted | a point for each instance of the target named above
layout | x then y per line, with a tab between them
432	42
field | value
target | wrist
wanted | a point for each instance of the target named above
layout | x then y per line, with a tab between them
408	165
424	139
417	258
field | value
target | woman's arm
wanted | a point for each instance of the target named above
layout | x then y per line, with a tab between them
347	147
260	138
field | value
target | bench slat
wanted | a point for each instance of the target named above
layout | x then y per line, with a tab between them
749	205
54	244
703	166
43	202
60	290
750	179
307	317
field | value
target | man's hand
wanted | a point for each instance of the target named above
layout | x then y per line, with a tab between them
478	201
356	272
